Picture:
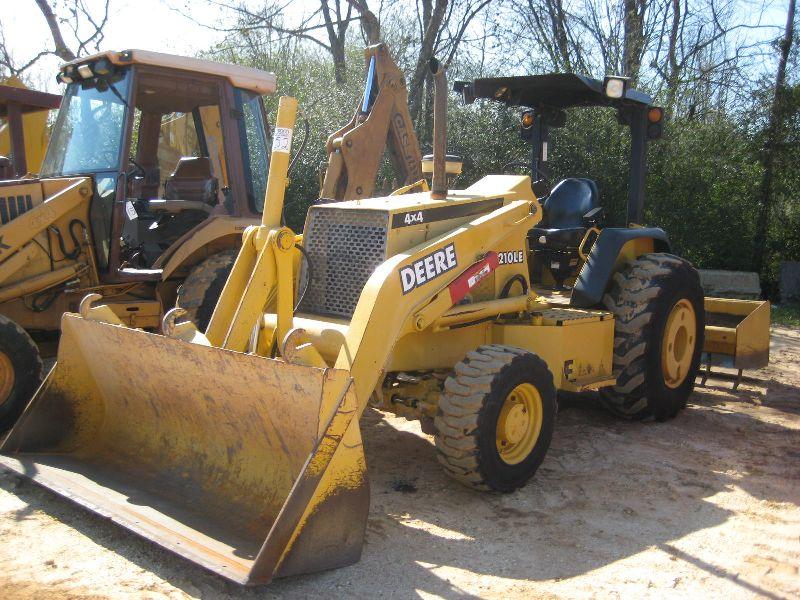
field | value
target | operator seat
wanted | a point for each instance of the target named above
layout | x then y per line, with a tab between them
569	211
192	180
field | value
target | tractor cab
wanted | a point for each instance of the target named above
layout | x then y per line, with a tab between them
573	213
170	143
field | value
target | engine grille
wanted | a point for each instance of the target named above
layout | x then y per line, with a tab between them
13	206
345	246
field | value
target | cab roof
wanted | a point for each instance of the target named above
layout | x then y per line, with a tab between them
247	78
556	90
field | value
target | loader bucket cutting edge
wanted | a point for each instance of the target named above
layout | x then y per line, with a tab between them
248	466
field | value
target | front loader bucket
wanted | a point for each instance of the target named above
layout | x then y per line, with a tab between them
248	466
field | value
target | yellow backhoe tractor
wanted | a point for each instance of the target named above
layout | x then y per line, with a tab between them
155	166
240	448
23	127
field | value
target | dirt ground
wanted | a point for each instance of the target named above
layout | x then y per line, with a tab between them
705	505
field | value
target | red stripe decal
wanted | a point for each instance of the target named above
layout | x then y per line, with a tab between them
473	275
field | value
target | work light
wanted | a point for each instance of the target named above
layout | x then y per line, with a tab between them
614	87
85	71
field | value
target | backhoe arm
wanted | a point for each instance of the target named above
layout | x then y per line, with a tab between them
355	151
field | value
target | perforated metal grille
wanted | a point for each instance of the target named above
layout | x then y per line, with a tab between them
345	246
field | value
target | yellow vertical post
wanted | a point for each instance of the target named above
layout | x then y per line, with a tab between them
253	277
279	162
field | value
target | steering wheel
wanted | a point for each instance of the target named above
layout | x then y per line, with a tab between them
137	170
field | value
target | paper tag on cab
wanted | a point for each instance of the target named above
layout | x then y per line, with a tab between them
131	210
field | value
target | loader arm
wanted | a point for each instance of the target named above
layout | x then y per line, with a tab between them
22	230
355	151
25	266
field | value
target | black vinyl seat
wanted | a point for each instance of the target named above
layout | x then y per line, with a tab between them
564	209
192	180
569	211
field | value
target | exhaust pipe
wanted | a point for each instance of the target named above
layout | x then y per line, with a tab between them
439	179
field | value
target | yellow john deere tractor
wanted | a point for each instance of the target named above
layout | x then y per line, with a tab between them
240	449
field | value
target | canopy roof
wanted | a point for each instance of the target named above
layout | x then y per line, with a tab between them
27	100
556	90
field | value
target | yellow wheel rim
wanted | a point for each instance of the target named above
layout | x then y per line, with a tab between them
519	423
6	377
677	345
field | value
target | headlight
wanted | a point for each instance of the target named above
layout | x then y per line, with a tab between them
614	87
85	71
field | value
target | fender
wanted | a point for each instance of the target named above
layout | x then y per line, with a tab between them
191	247
614	247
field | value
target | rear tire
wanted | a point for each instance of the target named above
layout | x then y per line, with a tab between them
495	418
199	293
657	302
20	371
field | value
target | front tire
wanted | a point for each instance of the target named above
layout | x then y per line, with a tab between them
657	303
199	293
495	418
20	371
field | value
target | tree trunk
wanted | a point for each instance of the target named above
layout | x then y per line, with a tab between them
768	157
633	46
336	41
673	67
558	19
370	24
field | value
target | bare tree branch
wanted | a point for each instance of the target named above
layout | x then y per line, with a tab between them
61	50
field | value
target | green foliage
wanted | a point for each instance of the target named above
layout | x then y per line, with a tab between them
783	242
703	175
701	189
786	314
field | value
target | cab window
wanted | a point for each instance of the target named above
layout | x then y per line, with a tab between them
255	149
